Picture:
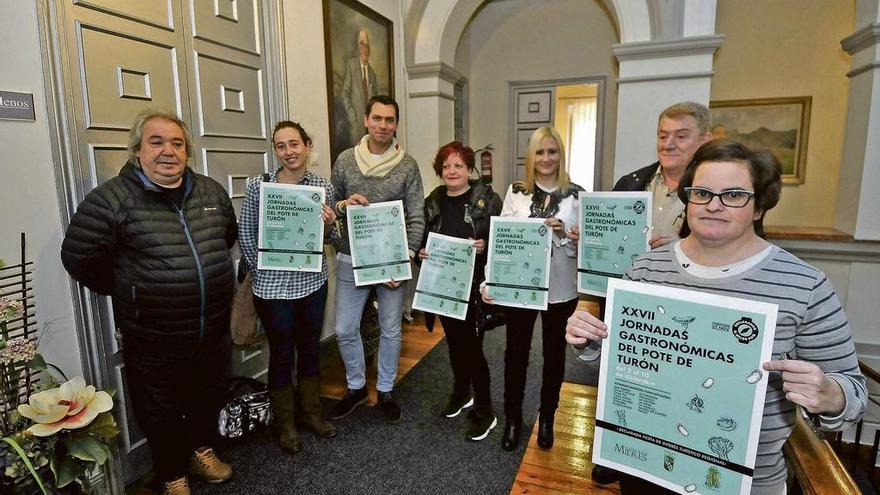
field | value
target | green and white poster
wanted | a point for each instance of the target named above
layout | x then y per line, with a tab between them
444	285
518	264
615	229
291	232
379	248
681	387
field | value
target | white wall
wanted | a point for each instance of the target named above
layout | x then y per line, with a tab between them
522	40
28	194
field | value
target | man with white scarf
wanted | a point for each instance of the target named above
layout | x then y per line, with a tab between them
376	169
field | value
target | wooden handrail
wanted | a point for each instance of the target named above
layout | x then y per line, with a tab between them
869	372
815	465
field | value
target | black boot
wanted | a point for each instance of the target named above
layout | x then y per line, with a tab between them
545	432
512	430
604	475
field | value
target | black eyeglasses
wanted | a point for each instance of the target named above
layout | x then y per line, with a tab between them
733	198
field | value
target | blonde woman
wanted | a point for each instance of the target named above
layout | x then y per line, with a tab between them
546	193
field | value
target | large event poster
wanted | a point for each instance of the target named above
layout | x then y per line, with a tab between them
518	264
445	278
681	387
379	248
291	233
615	229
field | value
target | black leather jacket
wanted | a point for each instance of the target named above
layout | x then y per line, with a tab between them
483	204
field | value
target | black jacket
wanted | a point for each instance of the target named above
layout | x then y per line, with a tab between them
168	269
482	205
638	180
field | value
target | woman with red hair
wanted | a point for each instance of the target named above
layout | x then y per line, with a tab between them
461	207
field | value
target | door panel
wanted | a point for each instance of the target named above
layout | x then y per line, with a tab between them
124	76
152	13
230	99
232	168
532	107
230	23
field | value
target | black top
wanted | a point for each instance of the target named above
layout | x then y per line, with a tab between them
174	194
456	218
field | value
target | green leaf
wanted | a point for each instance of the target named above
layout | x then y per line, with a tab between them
66	469
37	363
87	448
104	427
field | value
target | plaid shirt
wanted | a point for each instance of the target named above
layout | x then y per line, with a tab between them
275	284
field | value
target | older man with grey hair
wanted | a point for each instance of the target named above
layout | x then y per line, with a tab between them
156	239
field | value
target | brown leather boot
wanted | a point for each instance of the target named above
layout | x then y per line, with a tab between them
282	419
309	389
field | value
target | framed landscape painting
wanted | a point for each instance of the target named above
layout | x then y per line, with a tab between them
780	125
359	53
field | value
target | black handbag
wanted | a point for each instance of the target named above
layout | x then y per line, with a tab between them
488	316
247	409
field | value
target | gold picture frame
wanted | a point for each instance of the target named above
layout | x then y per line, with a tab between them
351	82
780	125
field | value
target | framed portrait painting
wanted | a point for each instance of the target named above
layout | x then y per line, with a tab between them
780	125
359	51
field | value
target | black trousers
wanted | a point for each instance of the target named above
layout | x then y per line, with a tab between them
520	326
470	370
176	394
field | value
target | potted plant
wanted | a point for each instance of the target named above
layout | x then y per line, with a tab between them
67	429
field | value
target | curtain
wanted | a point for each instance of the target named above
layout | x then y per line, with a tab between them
581	157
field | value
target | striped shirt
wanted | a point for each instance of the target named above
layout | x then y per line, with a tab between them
275	284
811	326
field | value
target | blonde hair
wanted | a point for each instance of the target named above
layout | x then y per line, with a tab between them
562	178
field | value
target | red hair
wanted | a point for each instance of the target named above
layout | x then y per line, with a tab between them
453	148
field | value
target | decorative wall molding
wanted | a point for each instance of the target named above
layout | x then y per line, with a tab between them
850	251
665	77
642	50
865	37
439	70
863	68
432	94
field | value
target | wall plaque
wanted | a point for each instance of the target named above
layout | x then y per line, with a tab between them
16	106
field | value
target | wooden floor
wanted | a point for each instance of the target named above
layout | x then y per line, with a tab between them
566	467
417	342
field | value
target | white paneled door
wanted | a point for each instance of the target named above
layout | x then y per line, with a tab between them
206	61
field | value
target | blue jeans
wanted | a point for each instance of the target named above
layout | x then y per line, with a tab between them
350	301
293	327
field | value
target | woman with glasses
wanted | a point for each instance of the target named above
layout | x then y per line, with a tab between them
728	189
461	207
546	193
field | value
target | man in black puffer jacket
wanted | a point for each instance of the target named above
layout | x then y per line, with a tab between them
156	239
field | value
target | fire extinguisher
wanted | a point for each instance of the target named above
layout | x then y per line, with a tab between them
486	164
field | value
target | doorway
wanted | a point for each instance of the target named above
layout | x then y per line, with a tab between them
575	108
